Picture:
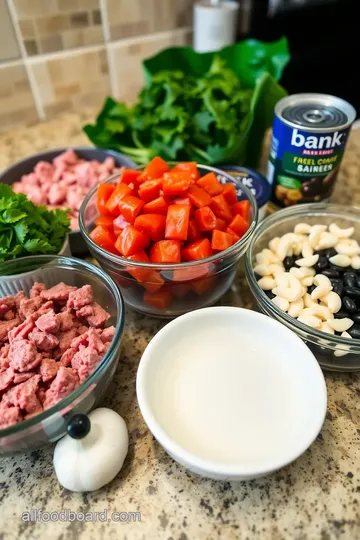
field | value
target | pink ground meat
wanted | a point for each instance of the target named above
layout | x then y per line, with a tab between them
49	182
49	344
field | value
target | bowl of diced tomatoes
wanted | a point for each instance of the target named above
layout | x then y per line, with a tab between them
170	235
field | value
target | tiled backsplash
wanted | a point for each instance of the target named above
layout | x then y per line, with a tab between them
58	55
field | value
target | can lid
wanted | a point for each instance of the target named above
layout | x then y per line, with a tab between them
256	182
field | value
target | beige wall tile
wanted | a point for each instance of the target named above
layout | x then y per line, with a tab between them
71	80
16	102
34	8
126	57
9	48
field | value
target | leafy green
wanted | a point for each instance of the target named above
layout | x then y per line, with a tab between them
29	229
180	116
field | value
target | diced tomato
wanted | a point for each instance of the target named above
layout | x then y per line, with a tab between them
179	290
177	222
104	238
229	193
102	196
115	198
130	207
182	200
131	241
159	299
221	224
221	208
150	190
176	183
194	232
235	236
165	251
105	221
205	218
198	196
155	169
119	224
242	208
198	250
153	282
210	184
140	274
190	167
239	225
157	206
221	240
152	225
203	285
193	272
129	176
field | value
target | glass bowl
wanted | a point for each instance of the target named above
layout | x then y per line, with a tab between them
333	352
50	425
187	286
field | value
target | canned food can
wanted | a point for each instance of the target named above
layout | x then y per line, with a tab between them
310	133
256	182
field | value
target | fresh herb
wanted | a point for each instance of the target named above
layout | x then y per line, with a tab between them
179	117
29	229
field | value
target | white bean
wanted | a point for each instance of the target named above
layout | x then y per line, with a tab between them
323	281
342	350
320	292
307	272
285	245
262	270
322	312
296	272
295	308
327	240
347	247
302	228
340	325
308	281
273	244
308	301
275	268
309	261
333	301
341	233
315	234
281	303
282	279
310	320
326	328
266	283
307	250
355	263
340	260
293	292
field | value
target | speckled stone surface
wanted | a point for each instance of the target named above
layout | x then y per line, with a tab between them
315	498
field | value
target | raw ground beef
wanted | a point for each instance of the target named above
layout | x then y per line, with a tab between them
49	344
65	182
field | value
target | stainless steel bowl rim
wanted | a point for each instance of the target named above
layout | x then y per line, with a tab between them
221	255
307	332
69	261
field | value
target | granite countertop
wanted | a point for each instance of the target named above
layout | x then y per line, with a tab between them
315	498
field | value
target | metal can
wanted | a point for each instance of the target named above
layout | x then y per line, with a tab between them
310	132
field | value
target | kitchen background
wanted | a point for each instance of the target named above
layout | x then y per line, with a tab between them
59	55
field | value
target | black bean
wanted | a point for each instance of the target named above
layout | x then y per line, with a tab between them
288	262
357	283
340	269
349	279
321	264
330	252
269	294
356	317
348	304
354	331
353	292
311	288
331	273
341	315
338	286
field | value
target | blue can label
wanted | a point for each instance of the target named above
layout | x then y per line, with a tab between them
303	165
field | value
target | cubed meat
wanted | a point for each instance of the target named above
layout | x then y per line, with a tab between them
6	327
68	157
107	334
48	369
85	361
6	303
80	297
44	171
23	355
36	289
9	315
45	308
41	394
75	197
43	341
66	339
95	340
24	395
22	331
9	415
6	378
82	340
66	320
29	306
66	358
84	312
82	329
58	293
48	322
65	382
22	377
57	194
100	316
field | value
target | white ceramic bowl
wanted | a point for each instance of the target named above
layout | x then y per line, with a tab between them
230	393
